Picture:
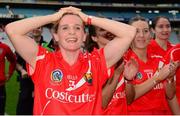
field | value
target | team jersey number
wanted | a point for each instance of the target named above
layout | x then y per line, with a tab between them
71	83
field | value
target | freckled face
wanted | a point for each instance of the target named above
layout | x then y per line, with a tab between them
70	34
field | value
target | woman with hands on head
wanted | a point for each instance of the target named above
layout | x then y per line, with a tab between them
69	81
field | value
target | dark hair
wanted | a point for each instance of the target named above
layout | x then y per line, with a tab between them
89	43
137	18
156	19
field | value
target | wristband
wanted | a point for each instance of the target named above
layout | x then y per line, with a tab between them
89	20
126	80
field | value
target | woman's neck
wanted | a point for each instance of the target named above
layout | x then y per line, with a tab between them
141	53
70	56
162	43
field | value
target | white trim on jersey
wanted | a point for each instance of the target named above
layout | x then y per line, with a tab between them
45	107
161	64
82	81
40	57
31	70
156	56
120	83
79	84
171	55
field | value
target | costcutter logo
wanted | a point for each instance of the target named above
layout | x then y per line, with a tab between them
66	97
56	75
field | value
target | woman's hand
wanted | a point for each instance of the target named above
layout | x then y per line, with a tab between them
167	70
130	69
173	67
77	11
57	16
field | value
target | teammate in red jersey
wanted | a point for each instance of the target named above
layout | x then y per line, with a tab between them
160	44
5	52
149	88
174	55
113	93
69	81
116	92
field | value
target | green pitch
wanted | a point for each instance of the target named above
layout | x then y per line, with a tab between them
12	92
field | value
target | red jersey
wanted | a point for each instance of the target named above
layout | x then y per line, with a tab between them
155	49
174	54
5	52
118	104
152	102
64	89
178	84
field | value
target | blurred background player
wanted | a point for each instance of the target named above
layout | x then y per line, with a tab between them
5	54
113	92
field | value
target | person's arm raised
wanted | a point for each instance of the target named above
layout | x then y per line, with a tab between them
17	32
124	33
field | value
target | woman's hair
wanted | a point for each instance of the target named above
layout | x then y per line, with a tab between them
137	18
156	19
96	32
56	24
89	43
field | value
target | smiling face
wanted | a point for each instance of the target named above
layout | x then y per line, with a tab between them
70	34
143	34
162	29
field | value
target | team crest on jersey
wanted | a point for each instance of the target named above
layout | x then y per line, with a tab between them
56	75
139	75
88	78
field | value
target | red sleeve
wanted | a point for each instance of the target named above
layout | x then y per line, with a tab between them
173	54
11	58
104	67
30	70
